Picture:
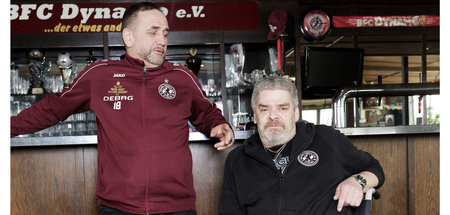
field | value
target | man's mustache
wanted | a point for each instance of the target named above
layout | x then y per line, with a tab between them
272	124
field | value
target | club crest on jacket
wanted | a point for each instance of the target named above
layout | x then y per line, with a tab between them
166	90
308	158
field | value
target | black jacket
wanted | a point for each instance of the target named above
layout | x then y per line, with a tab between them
253	185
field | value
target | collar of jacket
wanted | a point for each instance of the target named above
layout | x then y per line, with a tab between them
140	63
303	137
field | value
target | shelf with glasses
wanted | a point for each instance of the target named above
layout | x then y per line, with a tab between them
29	96
213	74
75	125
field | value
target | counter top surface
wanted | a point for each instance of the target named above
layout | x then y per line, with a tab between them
411	129
239	135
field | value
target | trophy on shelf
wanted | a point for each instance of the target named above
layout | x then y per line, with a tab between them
91	58
65	66
237	60
193	62
38	66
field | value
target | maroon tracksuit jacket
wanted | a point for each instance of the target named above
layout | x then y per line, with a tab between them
144	162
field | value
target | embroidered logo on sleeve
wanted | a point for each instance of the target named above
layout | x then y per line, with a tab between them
308	158
166	90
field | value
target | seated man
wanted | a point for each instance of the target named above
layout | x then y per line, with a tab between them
292	167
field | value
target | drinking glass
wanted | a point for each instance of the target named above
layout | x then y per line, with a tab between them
91	128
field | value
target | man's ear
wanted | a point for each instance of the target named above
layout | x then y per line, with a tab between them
127	37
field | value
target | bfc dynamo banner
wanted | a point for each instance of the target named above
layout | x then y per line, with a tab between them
385	21
42	18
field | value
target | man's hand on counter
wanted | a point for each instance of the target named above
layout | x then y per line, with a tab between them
225	134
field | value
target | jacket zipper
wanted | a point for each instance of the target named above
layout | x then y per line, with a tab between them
145	146
281	181
280	198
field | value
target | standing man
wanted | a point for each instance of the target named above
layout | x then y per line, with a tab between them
143	104
292	167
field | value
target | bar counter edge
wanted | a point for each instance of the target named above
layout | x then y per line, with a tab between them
239	135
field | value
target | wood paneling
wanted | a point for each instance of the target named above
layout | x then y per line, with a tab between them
48	180
61	180
423	153
390	151
90	177
208	166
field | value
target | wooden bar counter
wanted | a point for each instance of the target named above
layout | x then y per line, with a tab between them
57	175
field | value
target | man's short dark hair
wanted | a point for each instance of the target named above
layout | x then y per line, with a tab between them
132	11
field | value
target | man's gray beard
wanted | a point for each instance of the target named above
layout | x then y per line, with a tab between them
147	58
274	139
